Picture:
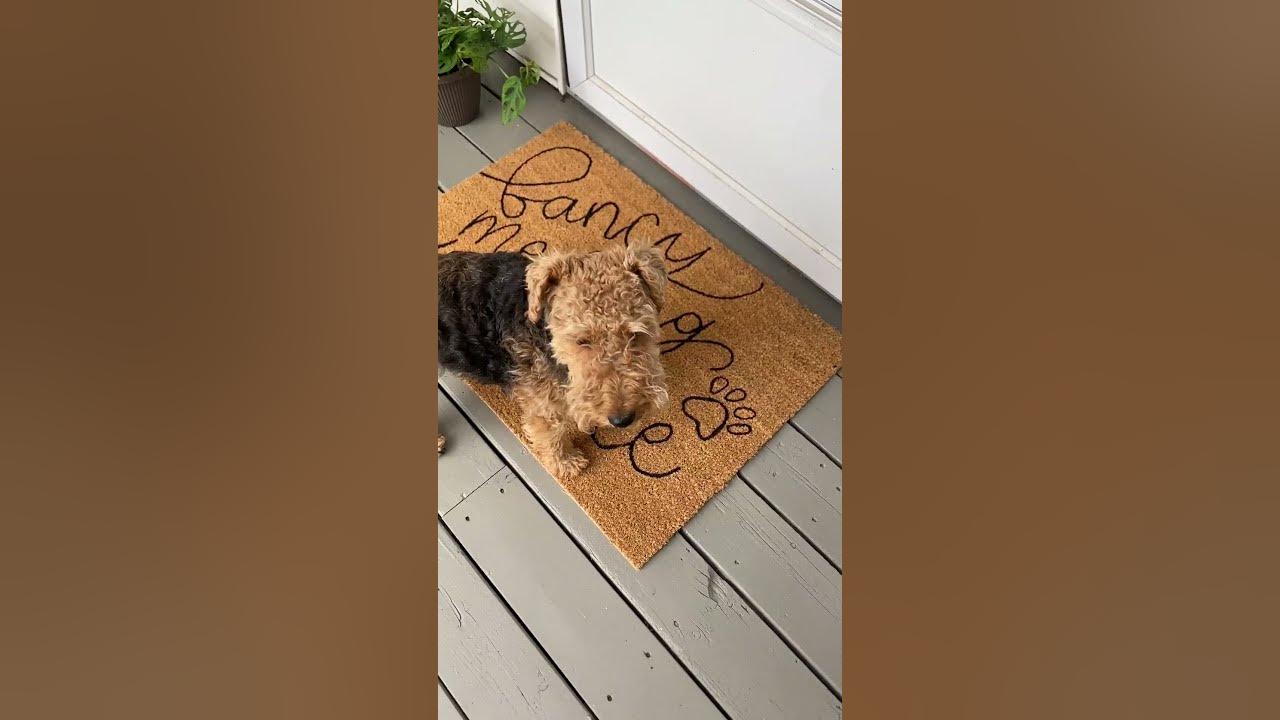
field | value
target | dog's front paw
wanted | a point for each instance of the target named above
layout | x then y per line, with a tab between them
568	464
439	444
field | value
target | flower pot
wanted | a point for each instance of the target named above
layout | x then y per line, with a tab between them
459	97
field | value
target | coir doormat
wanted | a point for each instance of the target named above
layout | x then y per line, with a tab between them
741	355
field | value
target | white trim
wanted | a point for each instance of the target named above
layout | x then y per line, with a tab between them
796	247
576	28
815	19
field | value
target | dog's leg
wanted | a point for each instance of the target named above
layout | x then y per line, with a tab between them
552	440
548	428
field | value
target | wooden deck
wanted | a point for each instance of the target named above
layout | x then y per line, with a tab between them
540	617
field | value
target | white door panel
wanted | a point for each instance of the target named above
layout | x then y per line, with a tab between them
742	96
765	113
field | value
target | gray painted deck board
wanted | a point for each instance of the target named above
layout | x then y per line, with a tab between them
805	486
458	159
780	573
490	664
587	629
821	419
445	709
489	134
705	622
467	460
546	107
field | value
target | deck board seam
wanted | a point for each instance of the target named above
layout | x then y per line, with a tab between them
817	444
452	700
511	610
790	522
440	512
474	145
764	617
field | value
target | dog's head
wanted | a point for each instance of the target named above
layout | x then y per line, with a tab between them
601	309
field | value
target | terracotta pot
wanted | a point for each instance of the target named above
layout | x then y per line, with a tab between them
459	97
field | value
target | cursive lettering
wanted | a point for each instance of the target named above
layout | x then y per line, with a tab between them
663	434
542	179
689	326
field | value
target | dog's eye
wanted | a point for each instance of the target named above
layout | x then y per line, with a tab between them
584	342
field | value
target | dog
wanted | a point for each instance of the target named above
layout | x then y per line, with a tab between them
572	337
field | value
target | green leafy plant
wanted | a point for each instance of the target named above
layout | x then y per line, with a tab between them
468	37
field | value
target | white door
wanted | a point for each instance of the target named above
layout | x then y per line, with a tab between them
741	98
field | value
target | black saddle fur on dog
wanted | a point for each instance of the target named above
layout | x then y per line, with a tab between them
483	301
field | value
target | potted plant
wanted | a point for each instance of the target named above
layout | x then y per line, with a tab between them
468	37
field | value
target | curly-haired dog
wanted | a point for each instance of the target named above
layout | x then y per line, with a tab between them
573	337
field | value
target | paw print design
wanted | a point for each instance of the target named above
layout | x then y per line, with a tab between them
712	413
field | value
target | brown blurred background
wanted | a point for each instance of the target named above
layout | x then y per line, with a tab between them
215	375
1064	235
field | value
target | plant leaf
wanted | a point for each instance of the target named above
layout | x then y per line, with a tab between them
513	99
469	36
529	74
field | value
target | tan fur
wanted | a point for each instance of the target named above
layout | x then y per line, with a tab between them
602	310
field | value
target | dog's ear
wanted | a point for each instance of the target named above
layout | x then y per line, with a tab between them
541	277
647	263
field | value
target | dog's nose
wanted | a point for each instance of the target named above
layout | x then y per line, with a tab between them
622	421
